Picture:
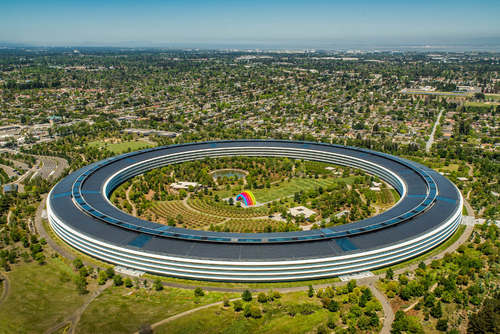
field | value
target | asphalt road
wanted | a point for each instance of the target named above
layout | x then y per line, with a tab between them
9	170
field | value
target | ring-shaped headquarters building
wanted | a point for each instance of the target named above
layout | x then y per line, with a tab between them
80	212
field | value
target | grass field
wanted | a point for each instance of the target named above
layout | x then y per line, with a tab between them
122	310
494	97
481	104
38	298
217	319
121	147
289	188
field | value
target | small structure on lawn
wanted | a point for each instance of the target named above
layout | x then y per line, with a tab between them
301	211
183	185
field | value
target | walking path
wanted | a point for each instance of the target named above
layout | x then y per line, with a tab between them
75	318
134	211
6	288
429	143
180	315
388	312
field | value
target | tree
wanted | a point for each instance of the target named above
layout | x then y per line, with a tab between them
436	310
110	272
487	320
389	274
198	292
117	280
422	265
351	285
83	272
78	263
442	325
81	285
238	305
405	293
157	284
4	265
40	258
246	296
231	201
333	306
311	291
225	301
128	282
102	277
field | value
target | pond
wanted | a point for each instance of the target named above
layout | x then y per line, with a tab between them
229	173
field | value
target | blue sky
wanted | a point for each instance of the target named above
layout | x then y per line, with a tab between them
70	22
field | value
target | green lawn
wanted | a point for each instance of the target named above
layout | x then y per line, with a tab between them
289	188
122	310
38	298
122	147
481	104
216	319
494	97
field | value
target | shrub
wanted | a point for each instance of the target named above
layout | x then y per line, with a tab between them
310	293
333	306
102	278
246	295
238	305
255	312
262	298
77	263
128	282
198	292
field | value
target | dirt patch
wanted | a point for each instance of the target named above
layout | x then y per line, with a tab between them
150	194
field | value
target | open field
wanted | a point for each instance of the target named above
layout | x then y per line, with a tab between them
482	104
450	168
122	147
494	97
122	310
289	188
40	297
218	319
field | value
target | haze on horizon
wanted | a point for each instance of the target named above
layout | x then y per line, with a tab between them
275	22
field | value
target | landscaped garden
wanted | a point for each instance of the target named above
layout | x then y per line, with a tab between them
335	194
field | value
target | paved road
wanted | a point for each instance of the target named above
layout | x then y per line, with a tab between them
429	143
9	170
388	312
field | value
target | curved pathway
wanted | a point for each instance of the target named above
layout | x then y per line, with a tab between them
388	312
6	288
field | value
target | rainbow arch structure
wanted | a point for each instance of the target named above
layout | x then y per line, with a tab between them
247	197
